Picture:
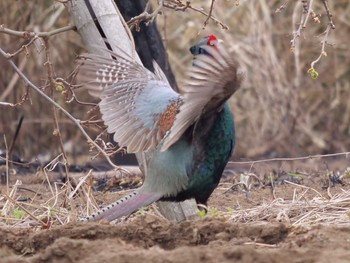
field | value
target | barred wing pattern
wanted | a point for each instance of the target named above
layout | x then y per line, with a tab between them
138	106
141	108
212	80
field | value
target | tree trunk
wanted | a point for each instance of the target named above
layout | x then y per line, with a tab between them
148	41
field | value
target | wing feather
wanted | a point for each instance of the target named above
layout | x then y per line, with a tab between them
132	99
212	80
140	107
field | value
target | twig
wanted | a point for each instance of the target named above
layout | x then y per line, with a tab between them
53	84
324	40
145	16
303	186
29	34
179	6
23	47
23	99
29	190
7	166
307	9
65	84
2	103
261	244
302	24
6	206
25	210
329	14
15	137
273	190
282	7
209	14
223	26
292	159
74	120
323	45
81	182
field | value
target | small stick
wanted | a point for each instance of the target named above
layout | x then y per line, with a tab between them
28	34
19	125
293	158
24	209
329	14
303	186
209	14
74	120
260	244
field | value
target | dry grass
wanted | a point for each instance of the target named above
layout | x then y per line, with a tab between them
300	211
280	110
46	204
280	105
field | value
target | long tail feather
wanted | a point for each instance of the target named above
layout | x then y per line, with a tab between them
124	206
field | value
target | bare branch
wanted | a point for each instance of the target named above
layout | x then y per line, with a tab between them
304	17
209	14
306	9
24	47
52	83
323	45
293	159
7	104
306	12
23	99
29	34
177	5
329	14
74	120
282	7
223	26
145	16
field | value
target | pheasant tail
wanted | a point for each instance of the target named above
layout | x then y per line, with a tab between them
124	206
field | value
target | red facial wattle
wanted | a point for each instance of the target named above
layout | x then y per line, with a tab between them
211	40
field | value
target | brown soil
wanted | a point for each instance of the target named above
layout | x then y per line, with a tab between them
145	237
148	239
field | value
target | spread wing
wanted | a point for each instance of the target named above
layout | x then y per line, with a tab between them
212	79
140	107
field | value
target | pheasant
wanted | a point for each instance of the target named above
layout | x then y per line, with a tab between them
188	136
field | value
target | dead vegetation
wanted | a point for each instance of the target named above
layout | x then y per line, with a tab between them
280	111
300	197
286	111
280	209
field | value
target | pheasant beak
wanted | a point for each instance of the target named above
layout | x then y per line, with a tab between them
196	49
218	41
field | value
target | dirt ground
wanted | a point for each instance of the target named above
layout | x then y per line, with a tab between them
148	239
217	237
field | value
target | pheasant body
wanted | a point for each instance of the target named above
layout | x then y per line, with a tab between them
212	151
188	137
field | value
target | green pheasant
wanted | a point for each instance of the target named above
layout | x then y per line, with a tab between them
188	136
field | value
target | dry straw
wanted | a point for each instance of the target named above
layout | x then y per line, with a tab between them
300	211
280	111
